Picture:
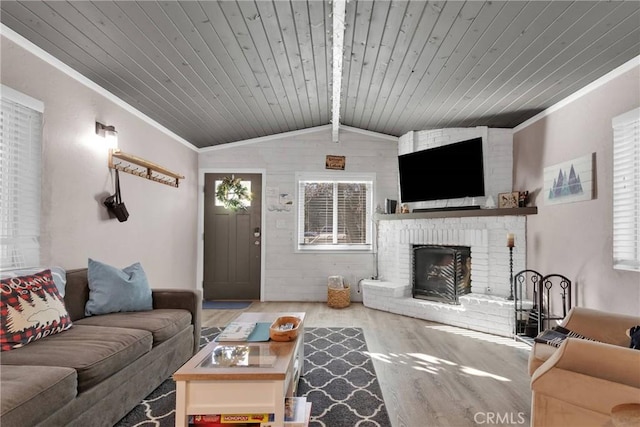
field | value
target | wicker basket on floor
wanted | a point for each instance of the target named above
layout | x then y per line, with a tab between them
339	298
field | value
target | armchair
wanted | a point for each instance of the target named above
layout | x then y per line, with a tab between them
579	383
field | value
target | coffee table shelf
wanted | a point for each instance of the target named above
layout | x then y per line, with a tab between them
241	377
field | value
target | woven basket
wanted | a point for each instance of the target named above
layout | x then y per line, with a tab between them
339	298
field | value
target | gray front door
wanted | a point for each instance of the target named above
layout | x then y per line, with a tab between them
232	243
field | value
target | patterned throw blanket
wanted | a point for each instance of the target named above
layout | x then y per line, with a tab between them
556	336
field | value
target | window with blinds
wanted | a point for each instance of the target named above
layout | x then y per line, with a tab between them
626	191
334	214
20	165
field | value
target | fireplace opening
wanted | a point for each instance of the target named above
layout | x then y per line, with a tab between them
441	273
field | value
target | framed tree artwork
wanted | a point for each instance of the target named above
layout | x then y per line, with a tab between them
570	181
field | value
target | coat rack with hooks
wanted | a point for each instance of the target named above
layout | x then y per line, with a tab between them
143	168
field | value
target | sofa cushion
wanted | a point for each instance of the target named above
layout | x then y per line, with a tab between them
162	323
31	393
77	293
95	352
30	308
112	290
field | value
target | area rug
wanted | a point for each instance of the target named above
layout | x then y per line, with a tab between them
226	305
339	379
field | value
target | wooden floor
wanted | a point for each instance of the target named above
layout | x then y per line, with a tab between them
430	374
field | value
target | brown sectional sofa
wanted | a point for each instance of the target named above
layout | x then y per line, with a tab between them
96	372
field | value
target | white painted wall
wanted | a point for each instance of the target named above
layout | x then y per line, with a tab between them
161	231
290	276
575	239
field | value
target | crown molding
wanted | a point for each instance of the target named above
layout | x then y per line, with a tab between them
296	133
370	133
55	62
627	66
264	138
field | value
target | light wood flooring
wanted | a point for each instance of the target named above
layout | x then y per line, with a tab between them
430	374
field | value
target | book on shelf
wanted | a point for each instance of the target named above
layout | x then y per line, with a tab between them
307	414
556	336
246	418
231	420
214	424
297	411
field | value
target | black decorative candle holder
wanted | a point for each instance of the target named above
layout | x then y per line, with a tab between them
510	297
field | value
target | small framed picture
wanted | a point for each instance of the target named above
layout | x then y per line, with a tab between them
508	200
335	162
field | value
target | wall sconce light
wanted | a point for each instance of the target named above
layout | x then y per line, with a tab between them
108	133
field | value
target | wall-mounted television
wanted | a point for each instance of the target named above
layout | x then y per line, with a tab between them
446	172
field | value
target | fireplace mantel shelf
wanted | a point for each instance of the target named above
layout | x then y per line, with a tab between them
459	213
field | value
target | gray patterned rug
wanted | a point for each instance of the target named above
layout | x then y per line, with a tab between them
339	379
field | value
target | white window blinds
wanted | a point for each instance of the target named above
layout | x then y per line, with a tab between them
20	179
334	213
626	191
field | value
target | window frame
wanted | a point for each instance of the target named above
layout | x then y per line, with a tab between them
334	177
625	198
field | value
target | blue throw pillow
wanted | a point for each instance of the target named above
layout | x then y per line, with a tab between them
112	290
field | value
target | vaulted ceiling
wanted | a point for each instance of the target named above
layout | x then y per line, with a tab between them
215	72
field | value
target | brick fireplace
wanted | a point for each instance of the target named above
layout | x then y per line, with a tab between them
486	308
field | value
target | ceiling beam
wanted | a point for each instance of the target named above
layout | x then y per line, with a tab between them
339	7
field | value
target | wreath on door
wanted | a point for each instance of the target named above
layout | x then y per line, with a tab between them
232	194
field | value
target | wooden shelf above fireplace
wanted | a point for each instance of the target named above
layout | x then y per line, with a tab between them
459	213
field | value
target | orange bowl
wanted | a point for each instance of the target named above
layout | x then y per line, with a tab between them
278	333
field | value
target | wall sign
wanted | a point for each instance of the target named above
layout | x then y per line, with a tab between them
570	181
335	162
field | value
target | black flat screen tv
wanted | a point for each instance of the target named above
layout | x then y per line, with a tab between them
446	172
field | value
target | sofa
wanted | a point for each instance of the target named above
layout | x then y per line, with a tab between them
99	369
583	381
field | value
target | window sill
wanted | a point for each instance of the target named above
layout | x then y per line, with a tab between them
626	266
364	249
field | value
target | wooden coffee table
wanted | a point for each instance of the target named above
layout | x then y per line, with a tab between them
241	377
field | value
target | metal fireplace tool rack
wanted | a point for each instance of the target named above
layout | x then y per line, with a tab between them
533	315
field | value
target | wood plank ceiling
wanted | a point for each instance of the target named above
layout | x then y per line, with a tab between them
216	72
